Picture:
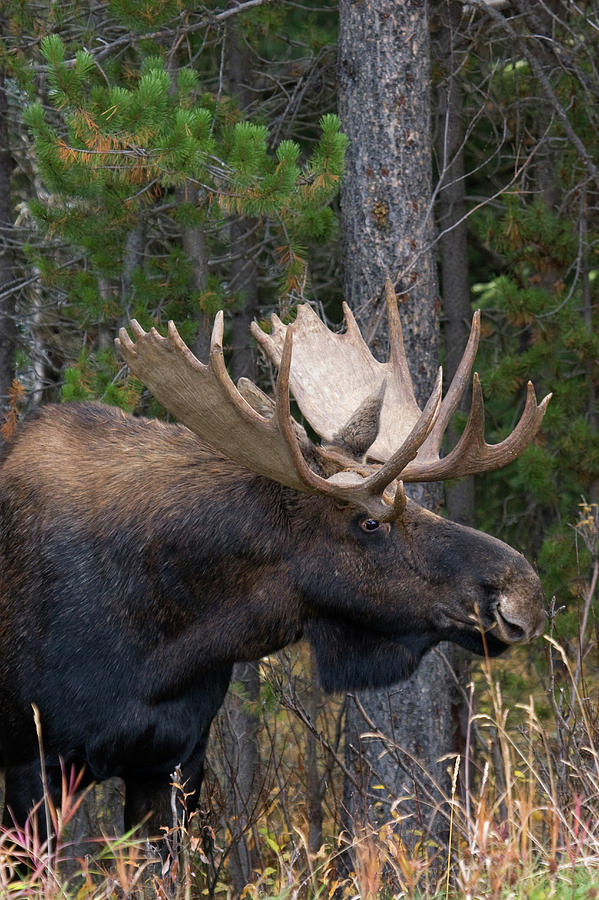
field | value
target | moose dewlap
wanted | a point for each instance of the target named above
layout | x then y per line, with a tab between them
139	560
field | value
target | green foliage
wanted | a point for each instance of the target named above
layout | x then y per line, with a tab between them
538	329
67	84
95	378
139	148
534	264
142	15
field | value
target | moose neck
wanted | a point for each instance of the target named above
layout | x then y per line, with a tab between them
219	574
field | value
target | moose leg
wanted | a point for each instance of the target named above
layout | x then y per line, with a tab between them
163	805
148	803
24	790
162	801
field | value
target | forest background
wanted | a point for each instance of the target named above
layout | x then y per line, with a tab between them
165	160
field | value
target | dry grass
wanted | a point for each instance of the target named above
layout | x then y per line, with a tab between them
527	829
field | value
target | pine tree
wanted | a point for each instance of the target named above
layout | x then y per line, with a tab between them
113	164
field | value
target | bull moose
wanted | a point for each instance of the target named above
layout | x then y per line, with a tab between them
140	560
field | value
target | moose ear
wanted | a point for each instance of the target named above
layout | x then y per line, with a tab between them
354	659
362	428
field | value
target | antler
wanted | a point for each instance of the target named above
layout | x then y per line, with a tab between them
355	403
332	374
205	399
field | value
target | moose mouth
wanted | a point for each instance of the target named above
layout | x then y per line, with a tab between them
483	643
505	629
510	618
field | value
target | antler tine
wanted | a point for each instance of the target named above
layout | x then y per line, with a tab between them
397	350
432	445
218	330
217	365
286	422
472	454
351	326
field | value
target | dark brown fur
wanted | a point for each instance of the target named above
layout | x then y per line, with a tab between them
136	567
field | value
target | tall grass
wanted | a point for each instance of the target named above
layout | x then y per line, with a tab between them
524	820
32	867
524	816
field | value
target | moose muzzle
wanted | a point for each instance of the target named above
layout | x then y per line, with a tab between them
520	616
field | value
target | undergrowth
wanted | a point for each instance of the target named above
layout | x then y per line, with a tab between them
526	831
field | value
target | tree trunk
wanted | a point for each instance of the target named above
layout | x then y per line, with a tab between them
240	719
455	282
133	259
240	768
244	269
193	241
8	329
384	103
453	234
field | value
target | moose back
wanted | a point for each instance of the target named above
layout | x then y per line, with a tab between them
140	560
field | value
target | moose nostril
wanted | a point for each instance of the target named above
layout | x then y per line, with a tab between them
516	621
511	631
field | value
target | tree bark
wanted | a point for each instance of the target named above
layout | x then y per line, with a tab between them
8	331
451	209
193	241
133	259
240	719
244	269
240	768
384	103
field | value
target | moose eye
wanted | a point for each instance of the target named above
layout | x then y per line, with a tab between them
370	525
